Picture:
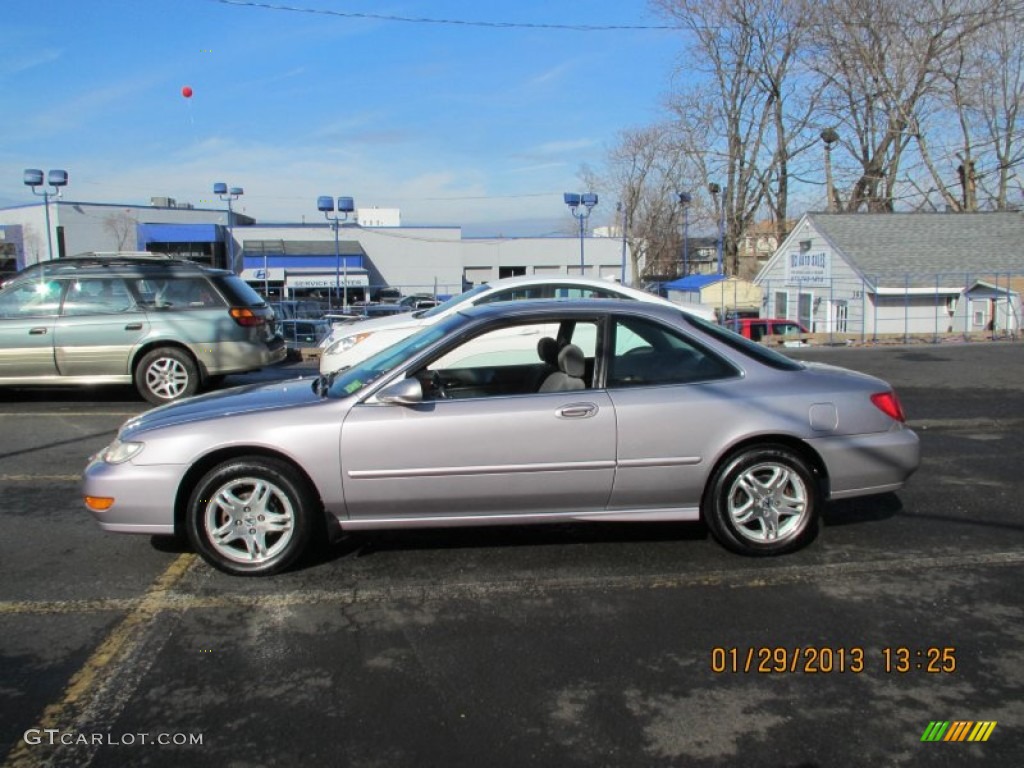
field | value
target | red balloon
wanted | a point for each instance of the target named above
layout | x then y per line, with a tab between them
186	92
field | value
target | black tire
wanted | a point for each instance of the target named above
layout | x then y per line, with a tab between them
763	500
265	536
166	374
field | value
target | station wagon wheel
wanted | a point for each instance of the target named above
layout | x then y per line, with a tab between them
763	501
250	517
165	374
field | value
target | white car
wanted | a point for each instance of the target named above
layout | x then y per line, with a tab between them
350	344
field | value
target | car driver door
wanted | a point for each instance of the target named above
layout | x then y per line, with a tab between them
484	442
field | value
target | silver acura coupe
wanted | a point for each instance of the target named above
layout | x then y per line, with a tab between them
620	411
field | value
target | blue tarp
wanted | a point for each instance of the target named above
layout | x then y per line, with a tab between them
693	282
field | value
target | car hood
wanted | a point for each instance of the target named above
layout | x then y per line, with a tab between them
374	324
231	402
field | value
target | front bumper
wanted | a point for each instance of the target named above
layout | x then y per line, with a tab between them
143	496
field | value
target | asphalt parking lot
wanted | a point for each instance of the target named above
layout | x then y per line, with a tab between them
589	645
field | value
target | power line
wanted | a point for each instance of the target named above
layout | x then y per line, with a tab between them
450	22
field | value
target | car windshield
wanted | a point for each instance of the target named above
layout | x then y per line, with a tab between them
443	307
355	379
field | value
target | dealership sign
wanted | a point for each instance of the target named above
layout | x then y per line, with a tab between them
293	281
808	268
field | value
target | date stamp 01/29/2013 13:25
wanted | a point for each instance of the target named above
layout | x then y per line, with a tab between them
812	660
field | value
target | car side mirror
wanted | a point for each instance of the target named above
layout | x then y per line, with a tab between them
402	392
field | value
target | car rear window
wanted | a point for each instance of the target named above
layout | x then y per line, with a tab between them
745	346
238	292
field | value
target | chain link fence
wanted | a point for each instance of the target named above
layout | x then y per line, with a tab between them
893	307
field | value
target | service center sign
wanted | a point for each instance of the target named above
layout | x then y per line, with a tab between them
808	268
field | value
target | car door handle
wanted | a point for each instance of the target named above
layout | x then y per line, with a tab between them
133	327
577	411
37	332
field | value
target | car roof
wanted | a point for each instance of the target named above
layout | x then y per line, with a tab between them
554	307
91	265
588	282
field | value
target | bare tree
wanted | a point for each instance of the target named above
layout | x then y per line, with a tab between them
888	66
996	106
752	111
647	173
122	227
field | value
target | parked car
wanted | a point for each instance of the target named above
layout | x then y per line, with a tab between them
304	333
79	260
419	301
756	328
647	414
294	309
348	345
165	325
383	310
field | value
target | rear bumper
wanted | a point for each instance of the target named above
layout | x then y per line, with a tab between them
238	356
861	465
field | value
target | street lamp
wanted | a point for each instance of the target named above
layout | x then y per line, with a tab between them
221	190
714	189
580	206
34	179
622	212
346	205
829	136
684	200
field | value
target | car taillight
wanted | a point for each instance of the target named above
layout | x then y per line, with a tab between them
889	404
245	316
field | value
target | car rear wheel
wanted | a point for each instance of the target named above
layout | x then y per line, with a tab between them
763	501
166	374
251	516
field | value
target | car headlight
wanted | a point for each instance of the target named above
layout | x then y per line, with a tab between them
345	343
119	451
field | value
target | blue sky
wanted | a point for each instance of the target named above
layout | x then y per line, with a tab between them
454	124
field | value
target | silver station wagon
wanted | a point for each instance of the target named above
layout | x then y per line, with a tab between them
168	326
621	411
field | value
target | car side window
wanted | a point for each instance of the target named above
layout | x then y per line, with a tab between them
177	293
645	353
577	292
98	296
511	360
519	293
34	299
757	331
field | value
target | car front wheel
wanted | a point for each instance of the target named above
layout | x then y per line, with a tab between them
166	374
251	516
763	501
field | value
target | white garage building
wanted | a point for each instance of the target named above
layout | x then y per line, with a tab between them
299	259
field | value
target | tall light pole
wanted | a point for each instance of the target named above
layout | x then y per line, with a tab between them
684	201
325	204
714	189
828	138
580	206
221	190
622	212
33	178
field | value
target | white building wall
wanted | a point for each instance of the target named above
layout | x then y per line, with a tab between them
834	295
32	220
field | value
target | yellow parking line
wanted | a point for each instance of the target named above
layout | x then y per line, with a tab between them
65	414
116	645
51	478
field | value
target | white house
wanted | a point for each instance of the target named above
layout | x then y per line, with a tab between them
898	273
